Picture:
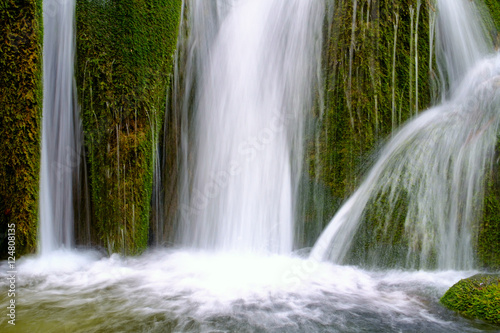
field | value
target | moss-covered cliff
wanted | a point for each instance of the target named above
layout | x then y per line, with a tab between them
378	72
493	8
488	231
20	117
125	53
488	237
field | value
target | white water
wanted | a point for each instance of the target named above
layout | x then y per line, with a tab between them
59	151
437	162
461	40
188	291
185	291
254	63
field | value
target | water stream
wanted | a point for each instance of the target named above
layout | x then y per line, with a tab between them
255	64
60	149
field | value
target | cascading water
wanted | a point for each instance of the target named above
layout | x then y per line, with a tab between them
60	151
461	40
249	62
436	163
255	68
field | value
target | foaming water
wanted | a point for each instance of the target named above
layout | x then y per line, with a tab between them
60	148
186	291
252	73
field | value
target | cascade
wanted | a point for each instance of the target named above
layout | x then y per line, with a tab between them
244	87
254	64
60	151
461	40
435	164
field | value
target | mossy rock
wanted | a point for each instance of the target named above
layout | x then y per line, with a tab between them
476	297
488	230
372	85
21	39
125	53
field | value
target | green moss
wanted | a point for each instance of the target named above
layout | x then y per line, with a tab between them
381	240
358	69
476	297
20	116
488	230
125	54
360	106
493	7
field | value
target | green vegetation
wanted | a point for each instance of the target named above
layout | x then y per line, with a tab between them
378	73
371	65
20	117
488	231
493	8
476	297
382	242
488	244
125	53
361	107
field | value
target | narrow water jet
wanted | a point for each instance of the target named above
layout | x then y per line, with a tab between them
60	150
255	64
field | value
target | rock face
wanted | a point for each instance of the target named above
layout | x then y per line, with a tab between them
125	53
476	297
378	71
21	38
488	250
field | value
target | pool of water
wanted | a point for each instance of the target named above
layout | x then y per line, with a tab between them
193	291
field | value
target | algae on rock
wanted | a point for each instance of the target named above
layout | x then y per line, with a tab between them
21	39
125	53
378	71
476	297
487	233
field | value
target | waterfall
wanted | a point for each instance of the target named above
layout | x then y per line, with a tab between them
60	152
461	40
434	166
252	71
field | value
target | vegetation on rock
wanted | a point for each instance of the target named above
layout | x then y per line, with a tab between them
20	118
379	71
125	52
476	297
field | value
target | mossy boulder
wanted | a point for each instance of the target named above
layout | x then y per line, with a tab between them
476	297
